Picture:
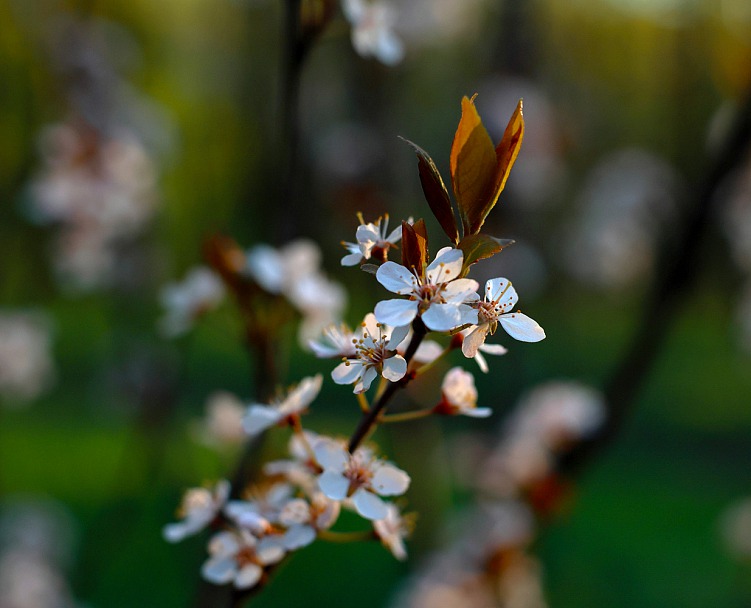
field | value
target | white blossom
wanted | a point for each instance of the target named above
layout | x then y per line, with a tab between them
223	423
440	297
373	239
372	34
500	299
360	476
26	366
375	352
239	558
304	518
460	395
199	508
336	340
392	530
260	417
200	291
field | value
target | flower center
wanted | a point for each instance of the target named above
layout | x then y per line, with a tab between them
486	312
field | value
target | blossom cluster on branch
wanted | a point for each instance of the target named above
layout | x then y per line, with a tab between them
257	522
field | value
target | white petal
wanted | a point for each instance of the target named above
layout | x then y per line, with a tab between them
428	351
219	570
442	317
270	550
461	290
389	480
397	337
302	395
297	536
370	327
396	278
370	374
248	576
395	235
367	233
174	533
493	349
331	455
333	484
482	363
390	49
352	259
475	339
224	544
501	291
521	327
476	412
446	267
260	417
369	505
347	372
394	368
396	312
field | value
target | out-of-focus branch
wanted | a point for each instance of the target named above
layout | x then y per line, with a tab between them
674	279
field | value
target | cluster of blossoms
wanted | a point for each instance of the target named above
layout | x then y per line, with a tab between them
257	523
299	501
26	366
97	178
372	24
490	564
292	272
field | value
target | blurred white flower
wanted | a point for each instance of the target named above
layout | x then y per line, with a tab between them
460	395
260	417
335	341
372	24
359	476
223	423
26	366
440	298
27	580
373	240
375	352
303	519
100	189
392	530
735	528
199	292
198	509
239	558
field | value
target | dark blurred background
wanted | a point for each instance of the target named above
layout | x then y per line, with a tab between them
177	107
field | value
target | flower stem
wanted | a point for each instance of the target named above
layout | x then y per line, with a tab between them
406	416
345	537
370	419
363	401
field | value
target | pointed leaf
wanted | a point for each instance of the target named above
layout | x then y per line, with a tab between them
481	246
414	246
473	162
435	192
506	153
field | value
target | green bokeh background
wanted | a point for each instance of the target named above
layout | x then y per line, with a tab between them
643	528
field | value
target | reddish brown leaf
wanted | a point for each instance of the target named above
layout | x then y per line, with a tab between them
435	192
478	247
414	246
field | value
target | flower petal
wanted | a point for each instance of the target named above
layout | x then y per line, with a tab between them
446	266
352	259
398	334
476	412
522	327
482	363
428	351
493	349
394	368
369	505
302	395
389	480
370	374
502	292
442	317
461	290
219	570
297	536
347	372
396	312
248	576
476	338
260	417
396	278
331	455
333	484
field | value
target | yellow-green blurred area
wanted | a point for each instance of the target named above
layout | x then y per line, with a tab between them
625	103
